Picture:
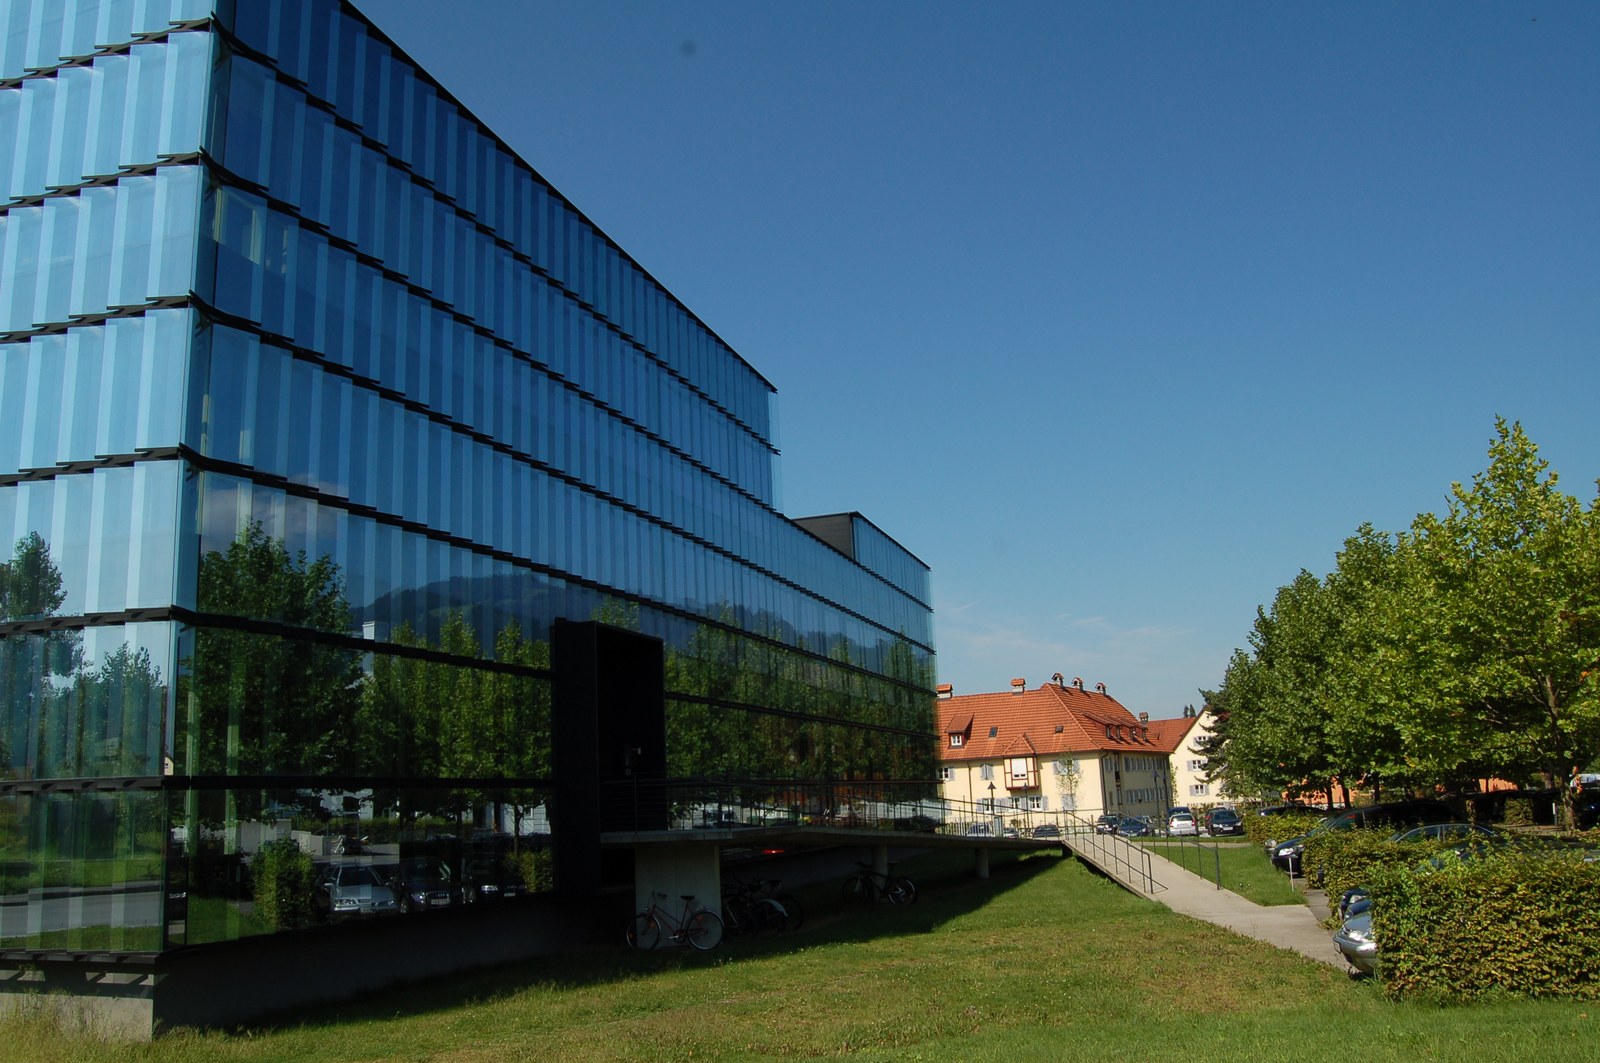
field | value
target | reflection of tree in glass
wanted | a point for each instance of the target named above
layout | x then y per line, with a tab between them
31	588
433	719
266	703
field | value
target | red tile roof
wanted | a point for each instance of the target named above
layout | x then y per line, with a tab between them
1052	720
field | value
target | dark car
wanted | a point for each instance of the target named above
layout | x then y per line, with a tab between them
1107	824
1223	821
492	879
1288	854
1292	808
424	884
1047	830
1135	827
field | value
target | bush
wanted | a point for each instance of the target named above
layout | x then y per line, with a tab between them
1259	828
1523	924
537	868
1337	860
281	877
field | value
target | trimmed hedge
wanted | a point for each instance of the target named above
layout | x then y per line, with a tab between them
1520	924
282	875
1259	828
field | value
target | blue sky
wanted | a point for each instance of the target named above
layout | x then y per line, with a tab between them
1117	315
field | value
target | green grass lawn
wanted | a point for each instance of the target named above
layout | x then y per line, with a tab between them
1244	868
1045	961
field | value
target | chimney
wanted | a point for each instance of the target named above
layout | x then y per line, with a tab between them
1144	717
1059	680
1101	687
1019	686
1077	681
944	690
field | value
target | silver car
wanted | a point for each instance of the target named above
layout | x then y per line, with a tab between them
1182	824
1354	940
344	891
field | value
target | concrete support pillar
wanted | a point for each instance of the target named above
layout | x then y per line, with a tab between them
980	861
880	859
695	869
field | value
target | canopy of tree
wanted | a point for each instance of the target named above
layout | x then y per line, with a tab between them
1463	648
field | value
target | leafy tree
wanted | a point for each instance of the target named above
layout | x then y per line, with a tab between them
1503	626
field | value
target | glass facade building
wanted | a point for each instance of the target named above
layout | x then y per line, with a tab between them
318	409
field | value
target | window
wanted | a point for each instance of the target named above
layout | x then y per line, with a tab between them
1036	802
946	774
956	741
986	772
1019	768
1198	789
993	731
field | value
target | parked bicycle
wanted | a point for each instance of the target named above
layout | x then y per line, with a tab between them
751	907
697	927
868	885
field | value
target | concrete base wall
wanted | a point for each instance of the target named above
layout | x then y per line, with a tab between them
273	976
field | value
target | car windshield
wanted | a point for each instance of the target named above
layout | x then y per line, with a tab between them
360	875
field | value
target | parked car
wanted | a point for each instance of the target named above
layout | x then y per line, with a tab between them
491	878
1291	808
1175	809
1223	821
1047	830
1135	827
1182	824
980	830
344	891
1288	854
1355	942
1107	824
1446	832
423	884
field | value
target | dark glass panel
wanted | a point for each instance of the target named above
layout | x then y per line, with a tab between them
82	871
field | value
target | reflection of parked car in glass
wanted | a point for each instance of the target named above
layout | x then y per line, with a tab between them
422	884
1223	821
492	878
345	890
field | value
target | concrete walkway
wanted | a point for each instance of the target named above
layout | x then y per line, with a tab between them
1297	927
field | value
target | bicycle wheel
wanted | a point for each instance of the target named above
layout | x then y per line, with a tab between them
768	914
858	889
704	929
644	932
902	890
794	915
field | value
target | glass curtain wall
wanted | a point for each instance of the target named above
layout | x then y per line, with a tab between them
317	408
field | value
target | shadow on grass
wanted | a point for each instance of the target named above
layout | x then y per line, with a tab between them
946	890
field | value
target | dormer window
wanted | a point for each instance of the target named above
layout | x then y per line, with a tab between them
956	740
993	731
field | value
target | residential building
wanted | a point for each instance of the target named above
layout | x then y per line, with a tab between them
1060	750
357	493
1188	766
